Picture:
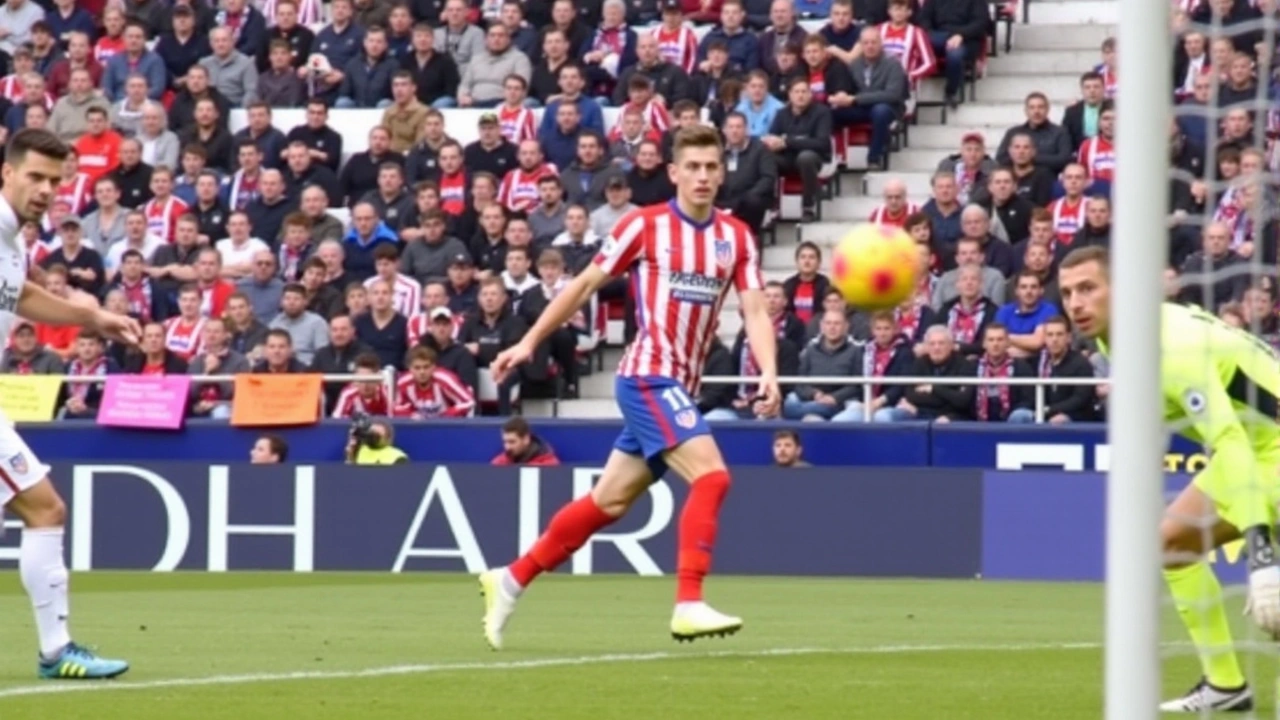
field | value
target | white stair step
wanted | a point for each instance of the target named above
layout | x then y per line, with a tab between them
946	138
918	160
995	114
917	183
1035	37
844	212
1039	62
589	408
1014	88
1056	12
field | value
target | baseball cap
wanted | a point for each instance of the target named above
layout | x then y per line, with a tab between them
69	221
183	9
440	313
489	119
973	137
671	5
616	182
461	259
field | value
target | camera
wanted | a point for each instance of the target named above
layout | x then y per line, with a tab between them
362	430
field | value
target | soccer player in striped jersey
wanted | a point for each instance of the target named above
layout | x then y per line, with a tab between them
1220	386
682	257
32	167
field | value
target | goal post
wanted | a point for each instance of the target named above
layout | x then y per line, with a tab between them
1136	430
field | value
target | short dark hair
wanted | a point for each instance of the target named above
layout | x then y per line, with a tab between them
996	325
1058	320
516	426
282	334
384	251
278	446
1084	255
295	288
809	245
791	435
368	361
40	142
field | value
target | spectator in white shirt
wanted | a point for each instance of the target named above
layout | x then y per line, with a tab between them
238	248
517	277
16	19
137	238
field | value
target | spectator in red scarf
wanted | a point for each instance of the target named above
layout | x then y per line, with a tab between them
90	360
1001	402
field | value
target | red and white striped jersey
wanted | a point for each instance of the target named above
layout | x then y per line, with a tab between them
679	47
680	272
1109	81
517	124
444	396
1098	156
11	89
519	189
107	47
309	12
162	216
406	293
909	45
76	192
656	119
38	251
182	338
1068	217
419	327
352	401
883	216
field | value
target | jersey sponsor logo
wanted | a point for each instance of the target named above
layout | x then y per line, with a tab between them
694	288
1194	401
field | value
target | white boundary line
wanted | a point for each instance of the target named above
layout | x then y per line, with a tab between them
61	687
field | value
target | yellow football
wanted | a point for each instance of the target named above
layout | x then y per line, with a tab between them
875	267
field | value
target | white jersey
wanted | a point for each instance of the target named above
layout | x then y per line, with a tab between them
19	467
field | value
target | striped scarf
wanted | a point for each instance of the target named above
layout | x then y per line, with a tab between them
963	323
79	369
875	361
987	369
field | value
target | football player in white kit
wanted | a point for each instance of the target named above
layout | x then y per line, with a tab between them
31	171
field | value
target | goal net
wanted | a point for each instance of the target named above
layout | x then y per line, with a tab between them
1222	216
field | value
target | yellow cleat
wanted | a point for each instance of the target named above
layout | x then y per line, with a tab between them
698	620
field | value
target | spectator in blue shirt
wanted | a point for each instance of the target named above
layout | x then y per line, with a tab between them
560	140
758	105
572	82
340	42
366	234
1025	317
135	60
744	46
68	17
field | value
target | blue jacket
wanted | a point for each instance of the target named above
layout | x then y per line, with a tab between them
253	30
368	85
758	121
813	8
589	109
80	21
359	260
342	48
744	48
561	150
117	71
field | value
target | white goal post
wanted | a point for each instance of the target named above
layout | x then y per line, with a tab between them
1136	428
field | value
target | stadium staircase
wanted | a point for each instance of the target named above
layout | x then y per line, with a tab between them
1062	39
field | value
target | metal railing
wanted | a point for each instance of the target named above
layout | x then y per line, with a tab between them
867	384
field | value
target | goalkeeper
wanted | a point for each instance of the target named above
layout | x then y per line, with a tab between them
1220	386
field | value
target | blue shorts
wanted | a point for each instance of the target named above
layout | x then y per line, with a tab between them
657	415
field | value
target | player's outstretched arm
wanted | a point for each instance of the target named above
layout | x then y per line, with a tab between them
764	344
578	293
39	305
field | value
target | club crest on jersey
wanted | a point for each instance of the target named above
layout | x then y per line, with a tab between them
687	419
724	254
18	463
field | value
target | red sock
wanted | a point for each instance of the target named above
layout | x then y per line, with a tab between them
697	535
568	531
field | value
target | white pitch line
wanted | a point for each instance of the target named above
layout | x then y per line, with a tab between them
60	687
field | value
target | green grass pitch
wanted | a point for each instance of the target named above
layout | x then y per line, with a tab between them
384	647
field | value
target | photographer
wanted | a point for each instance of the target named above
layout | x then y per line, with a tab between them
370	443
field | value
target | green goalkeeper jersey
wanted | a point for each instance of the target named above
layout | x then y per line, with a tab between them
1220	385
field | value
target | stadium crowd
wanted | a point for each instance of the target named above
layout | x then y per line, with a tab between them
270	250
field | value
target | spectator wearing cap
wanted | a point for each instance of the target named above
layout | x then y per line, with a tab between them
458	37
462	288
83	263
491	153
957	31
338	43
617	203
297	36
18	17
302	171
77	57
484	78
322	142
279	84
339	356
586	178
69	120
404	117
136	59
307	331
67	17
366	81
26	356
182	112
670	83
361	171
441	329
743	46
572	82
366	234
800	136
751	174
435	74
183	45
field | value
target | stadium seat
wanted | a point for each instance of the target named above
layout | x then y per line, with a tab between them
487	392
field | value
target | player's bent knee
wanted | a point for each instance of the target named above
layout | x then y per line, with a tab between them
695	458
1182	544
